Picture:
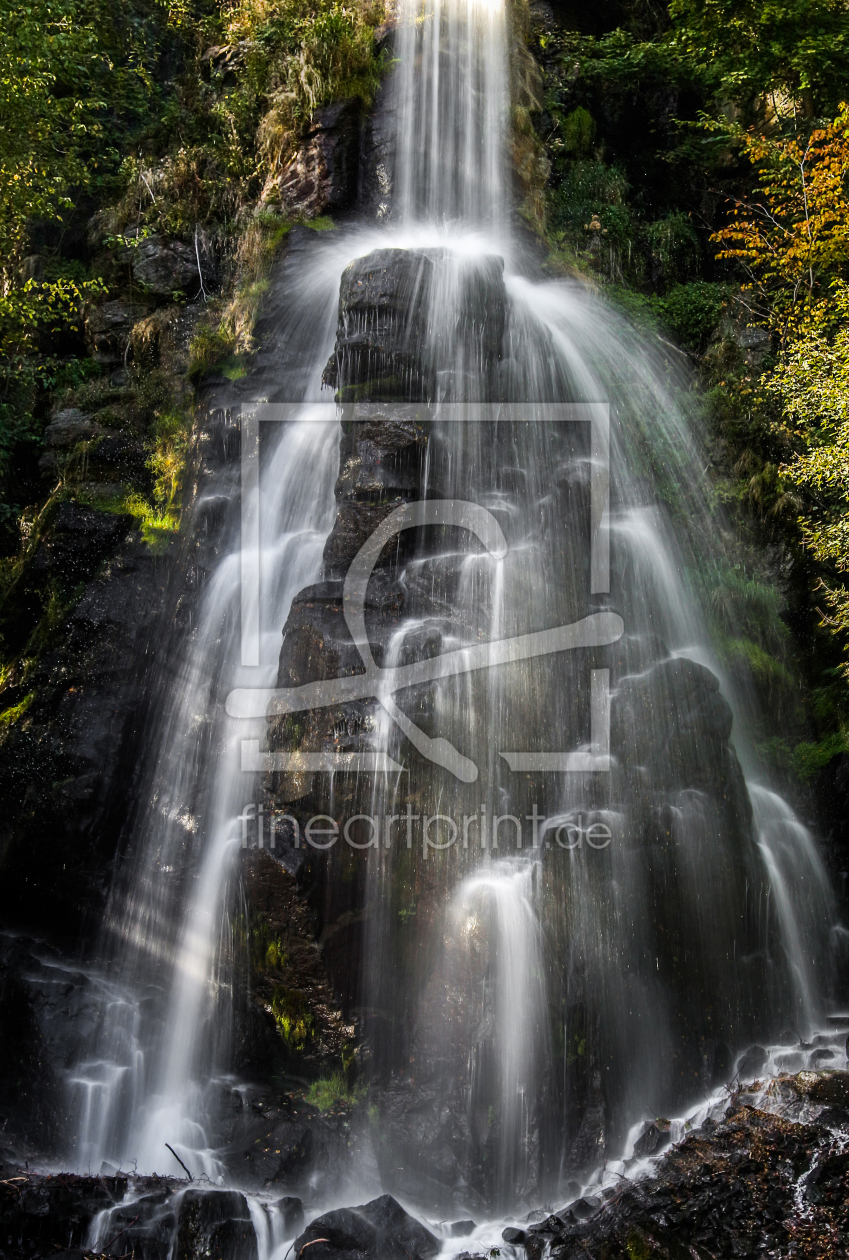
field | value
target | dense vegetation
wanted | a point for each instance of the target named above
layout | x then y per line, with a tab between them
700	156
121	127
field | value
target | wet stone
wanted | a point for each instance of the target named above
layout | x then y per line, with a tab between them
461	1229
381	1229
752	1062
652	1140
515	1237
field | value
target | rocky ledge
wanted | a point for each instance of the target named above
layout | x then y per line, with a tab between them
768	1177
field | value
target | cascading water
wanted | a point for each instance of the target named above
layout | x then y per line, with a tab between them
150	1076
526	1002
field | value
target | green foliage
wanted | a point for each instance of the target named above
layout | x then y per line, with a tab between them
692	312
689	313
808	759
674	247
16	711
48	70
294	1020
578	131
746	49
333	1091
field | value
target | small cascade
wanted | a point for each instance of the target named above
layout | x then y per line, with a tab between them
493	913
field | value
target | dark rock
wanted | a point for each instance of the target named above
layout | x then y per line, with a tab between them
551	1226
214	1223
582	1209
163	338
164	267
117	456
78	539
461	1229
651	1140
377	154
831	1088
291	1214
381	1230
66	430
30	1094
752	1062
515	1237
73	757
42	1215
108	328
834	1118
355	523
391	342
675	724
322	176
282	1153
68	427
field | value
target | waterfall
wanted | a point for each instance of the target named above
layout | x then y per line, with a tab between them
542	987
163	1046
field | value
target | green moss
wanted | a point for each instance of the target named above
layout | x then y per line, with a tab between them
13	714
808	759
333	1091
766	668
293	1017
638	1246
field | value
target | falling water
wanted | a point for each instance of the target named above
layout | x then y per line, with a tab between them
537	985
151	1075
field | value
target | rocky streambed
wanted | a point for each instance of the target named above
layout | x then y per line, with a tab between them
765	1173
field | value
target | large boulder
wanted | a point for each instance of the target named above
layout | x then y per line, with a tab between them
164	267
675	724
215	1224
414	320
379	1230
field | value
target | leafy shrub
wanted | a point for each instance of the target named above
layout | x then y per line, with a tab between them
578	131
692	312
674	247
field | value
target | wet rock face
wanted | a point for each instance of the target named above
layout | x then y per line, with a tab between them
214	1223
30	1096
78	540
411	326
380	457
757	1183
322	176
380	1230
150	1218
622	921
674	723
40	1215
66	764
